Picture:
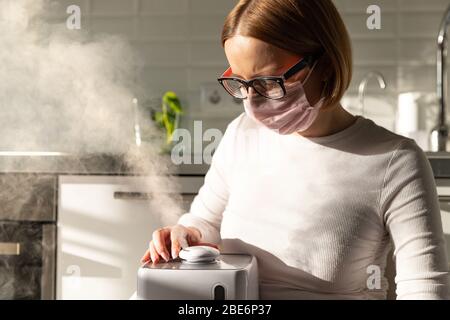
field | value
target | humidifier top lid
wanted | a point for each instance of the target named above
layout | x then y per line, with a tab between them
199	254
225	261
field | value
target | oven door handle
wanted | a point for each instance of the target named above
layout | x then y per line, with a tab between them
9	248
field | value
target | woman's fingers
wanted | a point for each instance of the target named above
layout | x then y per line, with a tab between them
173	239
159	240
154	255
174	244
146	256
178	240
192	239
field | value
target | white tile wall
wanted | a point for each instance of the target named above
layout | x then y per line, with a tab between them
180	40
163	7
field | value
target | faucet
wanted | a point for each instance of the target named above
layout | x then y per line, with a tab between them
363	84
439	134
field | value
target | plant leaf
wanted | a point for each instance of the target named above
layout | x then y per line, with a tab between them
172	101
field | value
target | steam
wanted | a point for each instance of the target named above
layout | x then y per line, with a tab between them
67	91
60	91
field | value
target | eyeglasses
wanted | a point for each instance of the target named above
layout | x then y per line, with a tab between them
270	87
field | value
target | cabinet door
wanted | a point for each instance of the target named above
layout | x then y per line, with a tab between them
443	189
444	202
104	226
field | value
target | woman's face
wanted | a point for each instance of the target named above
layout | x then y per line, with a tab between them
250	57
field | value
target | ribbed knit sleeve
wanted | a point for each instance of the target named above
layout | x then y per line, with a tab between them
410	209
208	206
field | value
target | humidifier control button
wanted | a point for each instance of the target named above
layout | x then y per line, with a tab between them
199	254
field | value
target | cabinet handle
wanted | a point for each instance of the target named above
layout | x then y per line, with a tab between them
132	195
9	249
125	195
444	198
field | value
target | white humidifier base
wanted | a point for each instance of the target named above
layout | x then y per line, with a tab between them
229	277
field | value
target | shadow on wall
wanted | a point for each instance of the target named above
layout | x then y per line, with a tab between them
102	270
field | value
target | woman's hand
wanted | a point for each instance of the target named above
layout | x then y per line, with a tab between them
172	238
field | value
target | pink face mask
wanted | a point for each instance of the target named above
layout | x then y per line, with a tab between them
292	113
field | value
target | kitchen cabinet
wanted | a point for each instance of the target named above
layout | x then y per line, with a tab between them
443	189
27	235
104	226
28	197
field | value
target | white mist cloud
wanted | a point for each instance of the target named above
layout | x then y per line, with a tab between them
68	91
59	89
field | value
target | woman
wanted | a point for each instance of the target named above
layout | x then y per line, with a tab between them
317	194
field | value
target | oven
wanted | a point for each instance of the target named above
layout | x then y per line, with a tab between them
27	260
27	236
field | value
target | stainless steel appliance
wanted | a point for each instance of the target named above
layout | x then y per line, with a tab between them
230	277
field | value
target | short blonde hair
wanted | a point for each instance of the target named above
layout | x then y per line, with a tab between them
302	27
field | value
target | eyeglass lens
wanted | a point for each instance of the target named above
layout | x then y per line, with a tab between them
265	87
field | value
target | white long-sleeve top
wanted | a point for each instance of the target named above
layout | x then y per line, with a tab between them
320	214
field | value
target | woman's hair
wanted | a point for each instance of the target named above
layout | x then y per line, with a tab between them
302	27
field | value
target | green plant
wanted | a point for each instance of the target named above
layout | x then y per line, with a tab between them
168	117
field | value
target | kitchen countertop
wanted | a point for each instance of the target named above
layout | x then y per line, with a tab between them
116	164
92	164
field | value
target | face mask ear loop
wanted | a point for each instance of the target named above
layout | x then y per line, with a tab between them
310	72
322	94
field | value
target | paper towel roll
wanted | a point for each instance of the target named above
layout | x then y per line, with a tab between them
407	117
